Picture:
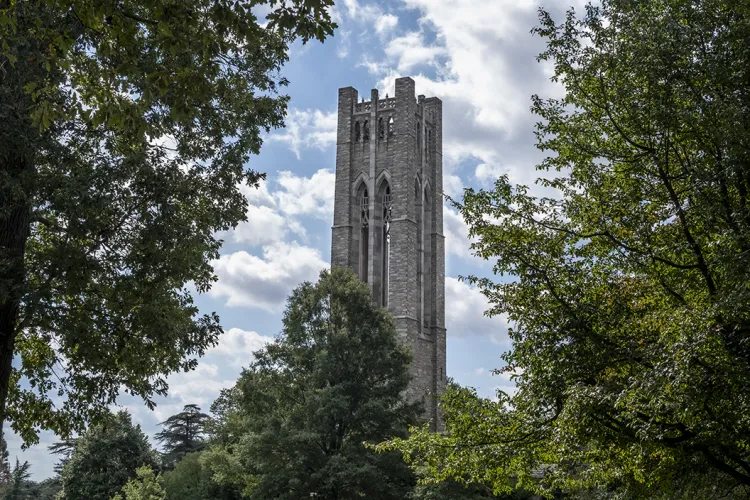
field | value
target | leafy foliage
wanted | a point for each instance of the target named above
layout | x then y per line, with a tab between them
298	418
183	433
145	486
105	459
630	304
189	480
125	127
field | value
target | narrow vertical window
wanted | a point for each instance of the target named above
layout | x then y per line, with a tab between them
366	131
418	215
390	126
357	132
419	142
364	239
386	239
381	128
428	269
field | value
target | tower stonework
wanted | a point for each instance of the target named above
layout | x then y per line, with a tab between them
388	219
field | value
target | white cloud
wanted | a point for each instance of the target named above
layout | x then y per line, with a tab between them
485	73
453	186
410	51
385	23
272	215
264	226
464	313
239	346
200	386
456	234
342	44
264	282
306	128
307	196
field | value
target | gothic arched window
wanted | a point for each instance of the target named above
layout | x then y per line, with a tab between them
427	269
420	246
385	241
381	128
363	203
356	132
390	126
366	131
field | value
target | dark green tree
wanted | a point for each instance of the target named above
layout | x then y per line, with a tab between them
63	449
46	489
105	458
125	128
183	433
299	416
190	480
631	310
20	486
5	470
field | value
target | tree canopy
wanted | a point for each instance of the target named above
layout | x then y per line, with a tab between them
105	458
629	289
298	418
126	126
145	486
190	480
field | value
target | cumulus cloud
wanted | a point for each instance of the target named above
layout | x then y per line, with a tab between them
307	128
464	313
410	51
264	282
301	195
272	214
385	23
264	226
456	234
238	346
200	386
483	56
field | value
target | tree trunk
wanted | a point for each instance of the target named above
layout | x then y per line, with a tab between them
15	223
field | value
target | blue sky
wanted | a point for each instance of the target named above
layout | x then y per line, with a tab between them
479	57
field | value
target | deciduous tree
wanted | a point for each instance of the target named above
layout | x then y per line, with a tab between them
630	304
145	486
125	127
190	480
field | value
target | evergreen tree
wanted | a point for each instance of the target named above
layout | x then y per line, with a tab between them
298	418
105	458
183	433
64	449
5	470
19	487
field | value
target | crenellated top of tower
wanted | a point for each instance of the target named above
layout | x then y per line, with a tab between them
405	97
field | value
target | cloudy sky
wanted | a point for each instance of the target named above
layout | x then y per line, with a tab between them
479	57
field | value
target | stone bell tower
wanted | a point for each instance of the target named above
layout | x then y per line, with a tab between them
388	219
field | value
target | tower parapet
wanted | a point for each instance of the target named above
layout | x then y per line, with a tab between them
388	219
